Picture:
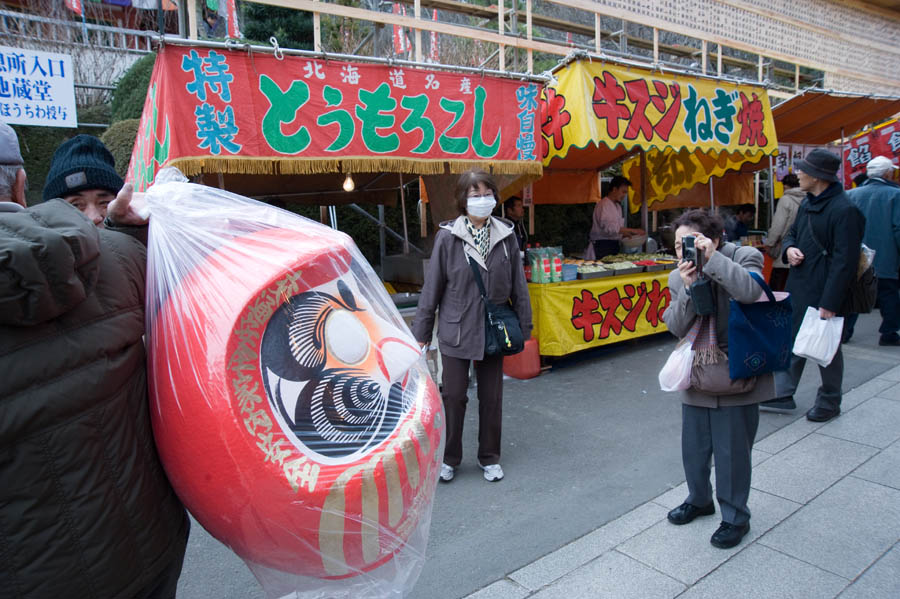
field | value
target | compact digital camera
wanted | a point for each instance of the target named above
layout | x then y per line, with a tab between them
689	252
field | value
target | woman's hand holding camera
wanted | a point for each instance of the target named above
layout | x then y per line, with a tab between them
688	272
706	245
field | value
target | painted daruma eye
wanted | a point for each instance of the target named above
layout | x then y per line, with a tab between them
346	337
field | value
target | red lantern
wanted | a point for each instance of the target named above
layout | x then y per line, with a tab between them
291	411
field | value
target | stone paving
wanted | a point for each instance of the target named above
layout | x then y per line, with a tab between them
826	523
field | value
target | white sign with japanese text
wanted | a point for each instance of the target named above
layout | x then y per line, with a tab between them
36	88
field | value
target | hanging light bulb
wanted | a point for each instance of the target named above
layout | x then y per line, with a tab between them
349	185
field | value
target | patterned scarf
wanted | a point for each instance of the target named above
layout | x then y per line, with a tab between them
705	341
481	236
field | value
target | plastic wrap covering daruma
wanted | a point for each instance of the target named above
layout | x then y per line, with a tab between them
291	408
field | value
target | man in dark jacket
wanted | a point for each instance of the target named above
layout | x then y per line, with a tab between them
83	173
879	201
822	248
87	511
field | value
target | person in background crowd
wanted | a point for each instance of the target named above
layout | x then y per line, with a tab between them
878	198
859	179
785	213
822	248
738	224
13	181
608	226
514	210
86	508
487	242
83	173
723	426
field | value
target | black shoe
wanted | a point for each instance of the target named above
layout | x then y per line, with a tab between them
889	341
729	535
686	512
817	414
779	403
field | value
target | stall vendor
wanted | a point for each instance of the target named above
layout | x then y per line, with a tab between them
609	222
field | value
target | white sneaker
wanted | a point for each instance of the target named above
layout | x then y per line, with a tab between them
492	472
446	473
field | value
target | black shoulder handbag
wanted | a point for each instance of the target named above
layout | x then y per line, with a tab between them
502	331
863	290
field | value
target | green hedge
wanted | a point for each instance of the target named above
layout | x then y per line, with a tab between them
131	90
119	139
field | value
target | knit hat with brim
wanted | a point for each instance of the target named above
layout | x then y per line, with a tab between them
81	163
820	164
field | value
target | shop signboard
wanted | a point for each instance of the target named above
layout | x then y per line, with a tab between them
601	103
211	110
880	141
36	88
581	314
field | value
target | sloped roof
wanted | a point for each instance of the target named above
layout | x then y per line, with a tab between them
820	116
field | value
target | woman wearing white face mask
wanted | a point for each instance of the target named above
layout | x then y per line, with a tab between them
450	285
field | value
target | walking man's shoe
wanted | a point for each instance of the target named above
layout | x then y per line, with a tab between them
447	473
492	472
687	512
779	403
893	340
817	414
729	535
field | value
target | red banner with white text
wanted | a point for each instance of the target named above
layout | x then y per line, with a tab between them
224	111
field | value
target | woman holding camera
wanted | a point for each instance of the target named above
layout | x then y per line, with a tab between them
719	415
490	245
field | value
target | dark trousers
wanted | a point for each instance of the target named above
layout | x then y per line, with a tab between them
727	433
778	278
455	381
889	304
829	394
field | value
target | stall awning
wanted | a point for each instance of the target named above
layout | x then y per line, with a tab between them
597	113
821	116
226	111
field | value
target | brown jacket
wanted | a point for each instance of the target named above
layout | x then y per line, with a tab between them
728	269
450	287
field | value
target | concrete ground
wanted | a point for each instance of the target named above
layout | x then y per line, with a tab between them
592	462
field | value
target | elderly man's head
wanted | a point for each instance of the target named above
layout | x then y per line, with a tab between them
83	173
12	167
882	167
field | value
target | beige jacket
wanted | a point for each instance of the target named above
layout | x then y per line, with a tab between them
785	214
728	269
450	288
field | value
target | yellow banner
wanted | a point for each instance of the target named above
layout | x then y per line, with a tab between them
671	172
588	313
598	103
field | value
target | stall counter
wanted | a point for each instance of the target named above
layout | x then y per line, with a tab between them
586	313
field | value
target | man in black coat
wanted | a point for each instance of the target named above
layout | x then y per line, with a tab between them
86	511
822	248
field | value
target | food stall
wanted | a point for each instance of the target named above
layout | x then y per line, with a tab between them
687	141
310	128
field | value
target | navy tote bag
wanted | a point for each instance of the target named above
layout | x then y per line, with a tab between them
759	334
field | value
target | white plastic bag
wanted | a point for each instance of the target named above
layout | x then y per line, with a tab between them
818	338
676	372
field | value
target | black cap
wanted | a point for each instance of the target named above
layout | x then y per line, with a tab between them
80	163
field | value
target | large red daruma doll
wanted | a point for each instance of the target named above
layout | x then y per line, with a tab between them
290	408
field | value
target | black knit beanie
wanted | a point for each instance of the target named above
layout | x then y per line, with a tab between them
80	163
